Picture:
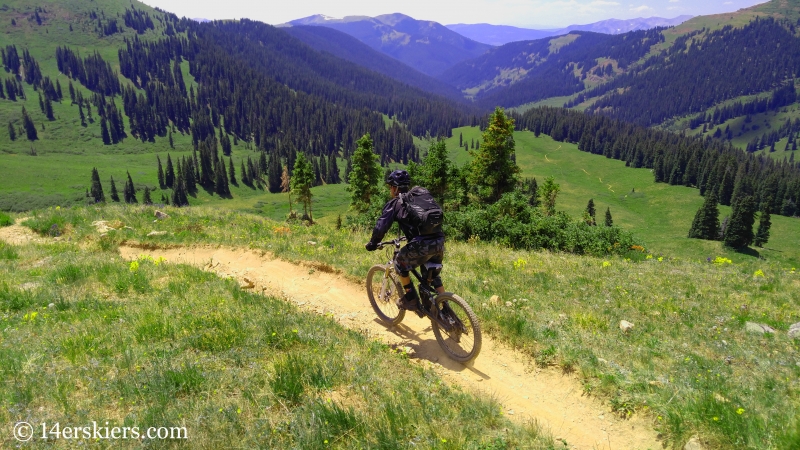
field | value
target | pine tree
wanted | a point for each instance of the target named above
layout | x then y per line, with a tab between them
762	235
171	141
550	190
146	197
30	127
435	170
589	213
274	174
286	186
104	132
333	170
48	109
609	220
365	177
232	172
221	180
96	191
348	169
493	168
302	180
169	178
739	232
460	140
71	92
161	183
262	164
245	180
706	220
82	116
114	193
12	133
130	191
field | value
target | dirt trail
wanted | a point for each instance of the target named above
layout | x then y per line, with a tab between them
527	393
553	399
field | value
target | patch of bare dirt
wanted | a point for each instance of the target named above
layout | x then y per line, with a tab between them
553	399
18	235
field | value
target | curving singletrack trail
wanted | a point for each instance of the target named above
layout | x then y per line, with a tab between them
554	400
547	396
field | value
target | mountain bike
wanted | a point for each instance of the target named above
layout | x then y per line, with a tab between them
454	324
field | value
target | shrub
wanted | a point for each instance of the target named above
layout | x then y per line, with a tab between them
5	220
513	223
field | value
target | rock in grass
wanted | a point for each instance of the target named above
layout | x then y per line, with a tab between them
495	299
794	331
693	444
759	328
625	326
161	215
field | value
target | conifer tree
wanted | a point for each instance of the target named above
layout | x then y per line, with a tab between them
48	109
493	168
161	183
274	174
71	92
171	141
435	170
286	186
12	132
146	197
82	116
609	220
302	180
706	221
739	232
104	132
762	235
333	170
232	172
114	193
221	186
30	127
460	140
96	191
590	213
130	191
365	176
550	190
242	171
169	178
348	169
262	164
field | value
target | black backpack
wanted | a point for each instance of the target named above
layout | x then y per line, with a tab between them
422	211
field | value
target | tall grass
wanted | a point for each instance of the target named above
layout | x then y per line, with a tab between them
86	336
688	363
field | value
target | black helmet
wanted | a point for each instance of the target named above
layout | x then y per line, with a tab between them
398	178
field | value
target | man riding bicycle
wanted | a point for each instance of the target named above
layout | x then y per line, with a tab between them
425	237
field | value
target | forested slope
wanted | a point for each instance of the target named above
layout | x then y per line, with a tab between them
344	46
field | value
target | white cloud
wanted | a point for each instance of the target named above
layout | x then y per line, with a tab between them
641	9
604	3
674	1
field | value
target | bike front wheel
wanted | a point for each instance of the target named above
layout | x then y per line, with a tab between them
459	333
383	289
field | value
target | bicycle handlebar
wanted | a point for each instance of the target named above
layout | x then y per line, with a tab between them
395	242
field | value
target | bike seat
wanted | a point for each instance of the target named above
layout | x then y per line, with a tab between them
433	266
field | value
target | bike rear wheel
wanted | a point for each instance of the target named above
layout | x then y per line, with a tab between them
461	339
383	290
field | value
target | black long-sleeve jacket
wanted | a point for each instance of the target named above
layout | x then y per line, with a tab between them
393	211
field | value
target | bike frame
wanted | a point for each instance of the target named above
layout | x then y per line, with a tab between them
423	284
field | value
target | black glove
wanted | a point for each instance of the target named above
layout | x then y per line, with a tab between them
371	246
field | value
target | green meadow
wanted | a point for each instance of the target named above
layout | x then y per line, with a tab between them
87	336
689	364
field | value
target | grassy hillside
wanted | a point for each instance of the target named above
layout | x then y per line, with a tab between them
689	363
87	336
659	214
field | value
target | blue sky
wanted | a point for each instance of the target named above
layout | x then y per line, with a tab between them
522	13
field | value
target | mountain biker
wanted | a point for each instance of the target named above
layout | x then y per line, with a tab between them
422	248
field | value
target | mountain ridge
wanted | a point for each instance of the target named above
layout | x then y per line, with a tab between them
405	39
504	34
